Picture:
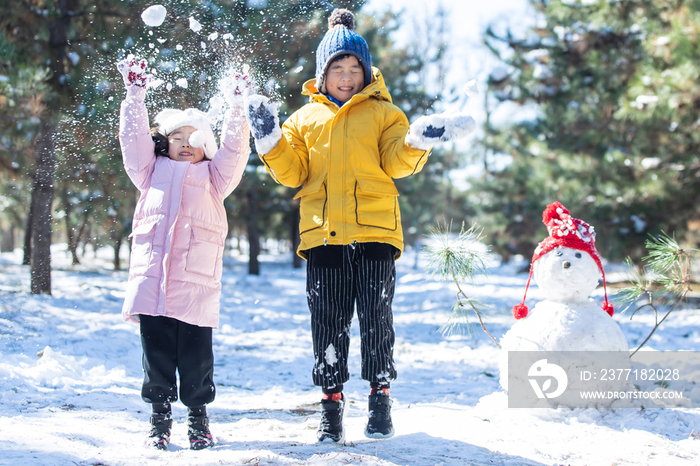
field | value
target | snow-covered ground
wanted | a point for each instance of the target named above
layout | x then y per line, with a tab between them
70	375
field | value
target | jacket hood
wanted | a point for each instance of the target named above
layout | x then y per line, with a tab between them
376	88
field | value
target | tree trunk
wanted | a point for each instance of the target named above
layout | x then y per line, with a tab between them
42	198
70	231
296	260
28	233
7	242
253	232
117	248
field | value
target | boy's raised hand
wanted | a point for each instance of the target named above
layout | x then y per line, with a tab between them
264	123
133	71
427	131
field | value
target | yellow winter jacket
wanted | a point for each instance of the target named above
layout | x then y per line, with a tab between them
346	158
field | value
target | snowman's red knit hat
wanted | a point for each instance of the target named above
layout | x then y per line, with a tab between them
564	231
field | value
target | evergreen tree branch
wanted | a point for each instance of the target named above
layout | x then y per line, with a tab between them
670	265
471	305
457	260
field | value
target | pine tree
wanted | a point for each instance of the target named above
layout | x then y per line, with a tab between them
614	86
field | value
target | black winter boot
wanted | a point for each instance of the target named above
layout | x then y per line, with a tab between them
331	426
198	428
161	423
379	424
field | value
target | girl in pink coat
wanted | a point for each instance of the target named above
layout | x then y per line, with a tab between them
178	237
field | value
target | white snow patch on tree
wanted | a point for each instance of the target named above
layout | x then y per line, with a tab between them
499	73
650	162
646	99
182	82
74	58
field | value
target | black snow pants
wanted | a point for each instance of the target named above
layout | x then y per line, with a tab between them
338	277
170	345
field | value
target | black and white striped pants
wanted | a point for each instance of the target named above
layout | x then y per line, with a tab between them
337	278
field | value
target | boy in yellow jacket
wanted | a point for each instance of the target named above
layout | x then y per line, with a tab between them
345	147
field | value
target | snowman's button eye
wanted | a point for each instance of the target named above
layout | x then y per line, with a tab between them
559	253
578	255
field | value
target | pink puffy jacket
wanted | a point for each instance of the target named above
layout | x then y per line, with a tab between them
180	223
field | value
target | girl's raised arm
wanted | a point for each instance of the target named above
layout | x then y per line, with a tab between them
227	166
134	134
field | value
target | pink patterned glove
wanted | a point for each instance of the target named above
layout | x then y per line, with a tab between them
133	71
236	87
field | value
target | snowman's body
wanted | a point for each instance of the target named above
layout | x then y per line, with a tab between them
567	320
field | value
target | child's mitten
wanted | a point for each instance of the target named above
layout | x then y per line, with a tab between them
236	87
428	131
264	123
133	71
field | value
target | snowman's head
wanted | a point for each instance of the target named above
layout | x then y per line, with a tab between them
566	274
566	263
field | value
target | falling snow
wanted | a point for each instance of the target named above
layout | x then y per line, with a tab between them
154	15
195	25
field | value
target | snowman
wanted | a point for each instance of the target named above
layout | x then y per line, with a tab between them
566	266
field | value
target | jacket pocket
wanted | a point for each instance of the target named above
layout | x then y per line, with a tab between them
376	203
142	244
205	248
314	200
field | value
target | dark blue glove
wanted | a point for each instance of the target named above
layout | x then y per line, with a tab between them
261	120
264	123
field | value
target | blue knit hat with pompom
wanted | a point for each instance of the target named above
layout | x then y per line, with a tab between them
342	39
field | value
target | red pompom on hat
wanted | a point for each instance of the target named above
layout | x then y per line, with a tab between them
564	231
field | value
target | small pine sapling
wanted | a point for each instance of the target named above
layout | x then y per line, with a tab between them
459	258
666	272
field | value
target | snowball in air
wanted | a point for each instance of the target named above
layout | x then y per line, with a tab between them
154	83
195	25
154	15
197	139
471	88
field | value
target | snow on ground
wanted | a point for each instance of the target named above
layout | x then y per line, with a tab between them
70	375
